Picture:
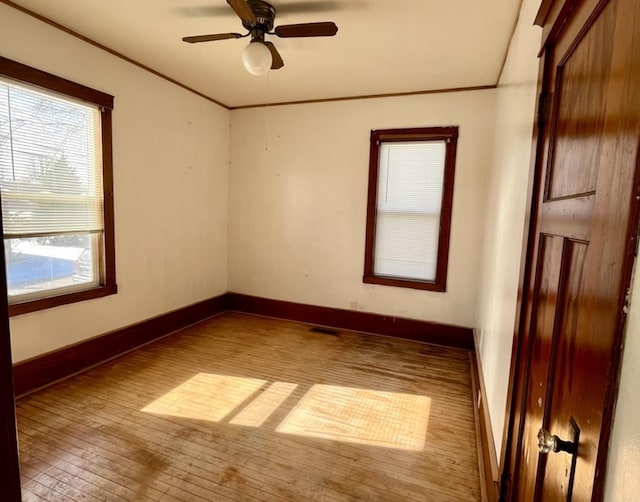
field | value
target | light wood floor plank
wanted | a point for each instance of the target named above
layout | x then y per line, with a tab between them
120	432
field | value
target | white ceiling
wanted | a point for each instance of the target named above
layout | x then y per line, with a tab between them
382	46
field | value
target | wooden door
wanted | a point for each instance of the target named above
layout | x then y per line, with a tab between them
581	249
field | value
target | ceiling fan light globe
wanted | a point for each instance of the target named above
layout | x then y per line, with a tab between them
256	58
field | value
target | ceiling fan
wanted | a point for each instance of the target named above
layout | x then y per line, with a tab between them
258	19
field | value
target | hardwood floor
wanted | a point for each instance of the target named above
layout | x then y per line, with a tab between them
241	408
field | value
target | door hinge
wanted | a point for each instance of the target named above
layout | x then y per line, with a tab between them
543	109
627	302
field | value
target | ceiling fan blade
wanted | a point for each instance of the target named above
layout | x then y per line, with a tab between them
243	10
210	38
276	58
326	29
291	7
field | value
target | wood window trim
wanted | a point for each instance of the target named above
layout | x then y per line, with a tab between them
449	134
49	82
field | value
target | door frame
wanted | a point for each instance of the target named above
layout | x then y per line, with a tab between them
552	17
10	472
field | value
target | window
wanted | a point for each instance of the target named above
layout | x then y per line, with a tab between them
409	208
56	189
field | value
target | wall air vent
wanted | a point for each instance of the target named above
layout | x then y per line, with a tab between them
324	331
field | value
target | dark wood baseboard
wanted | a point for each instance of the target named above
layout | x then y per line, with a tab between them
45	369
398	327
42	370
487	459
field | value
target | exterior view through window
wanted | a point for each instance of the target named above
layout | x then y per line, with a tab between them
409	212
51	182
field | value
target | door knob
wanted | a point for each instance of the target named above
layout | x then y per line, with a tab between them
548	442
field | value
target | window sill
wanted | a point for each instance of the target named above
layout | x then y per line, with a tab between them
64	299
404	283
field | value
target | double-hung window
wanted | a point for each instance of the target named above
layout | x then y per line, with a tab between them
56	189
410	196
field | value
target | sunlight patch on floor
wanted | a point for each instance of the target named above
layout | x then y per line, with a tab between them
205	397
261	408
363	416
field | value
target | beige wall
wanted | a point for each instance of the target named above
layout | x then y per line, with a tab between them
504	221
298	196
171	152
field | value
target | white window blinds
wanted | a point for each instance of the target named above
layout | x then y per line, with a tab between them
50	164
409	201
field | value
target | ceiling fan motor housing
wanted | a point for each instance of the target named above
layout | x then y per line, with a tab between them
265	15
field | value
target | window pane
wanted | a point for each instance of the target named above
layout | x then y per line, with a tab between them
49	163
51	182
410	176
409	200
39	264
407	246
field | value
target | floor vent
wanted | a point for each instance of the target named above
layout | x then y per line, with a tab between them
324	331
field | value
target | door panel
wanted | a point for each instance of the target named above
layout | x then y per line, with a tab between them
556	473
579	113
584	238
548	269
